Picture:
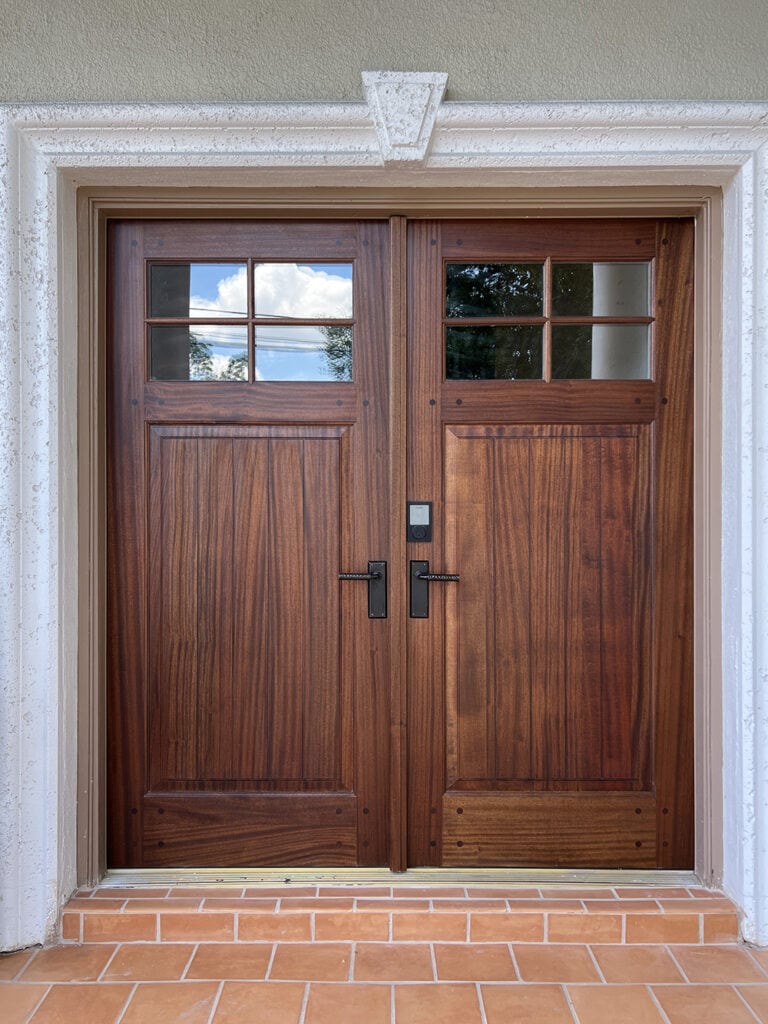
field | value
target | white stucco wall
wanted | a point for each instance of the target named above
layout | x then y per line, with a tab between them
233	50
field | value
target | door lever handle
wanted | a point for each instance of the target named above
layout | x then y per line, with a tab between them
377	587
421	577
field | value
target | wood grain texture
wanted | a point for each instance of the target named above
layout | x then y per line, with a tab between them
551	681
426	644
274	829
550	691
232	510
572	240
551	554
612	830
673	544
126	548
398	578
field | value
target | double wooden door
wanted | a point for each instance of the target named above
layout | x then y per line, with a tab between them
258	710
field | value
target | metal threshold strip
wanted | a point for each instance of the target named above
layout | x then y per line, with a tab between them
119	878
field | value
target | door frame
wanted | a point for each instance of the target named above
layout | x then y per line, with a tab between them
97	205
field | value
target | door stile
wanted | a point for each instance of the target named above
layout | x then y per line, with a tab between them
126	583
673	646
398	577
426	641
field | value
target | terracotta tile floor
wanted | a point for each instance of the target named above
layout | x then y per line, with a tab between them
378	954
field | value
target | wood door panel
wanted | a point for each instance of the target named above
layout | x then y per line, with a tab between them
246	682
547	647
275	682
275	829
552	686
615	830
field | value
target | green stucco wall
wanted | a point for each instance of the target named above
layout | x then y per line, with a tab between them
103	50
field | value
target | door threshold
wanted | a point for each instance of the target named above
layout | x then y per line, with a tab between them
120	878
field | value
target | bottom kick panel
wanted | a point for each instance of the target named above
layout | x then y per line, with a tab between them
253	830
553	830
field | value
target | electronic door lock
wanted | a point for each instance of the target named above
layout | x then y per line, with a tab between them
418	522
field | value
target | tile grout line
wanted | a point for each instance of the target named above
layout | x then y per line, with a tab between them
110	958
511	951
215	1004
433	958
679	966
188	964
569	1003
38	1004
270	962
598	968
304	1001
755	961
744	1001
480	1003
352	958
127	1003
656	1003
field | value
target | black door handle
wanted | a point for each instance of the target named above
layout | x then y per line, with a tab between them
377	587
421	577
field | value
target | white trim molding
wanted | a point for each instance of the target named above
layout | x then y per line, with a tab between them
404	137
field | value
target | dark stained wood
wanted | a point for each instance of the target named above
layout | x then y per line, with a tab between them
557	401
218	696
673	542
572	240
511	590
233	241
252	622
398	578
272	830
126	552
174	576
426	644
470	613
612	830
201	401
257	716
570	560
366	520
249	688
321	704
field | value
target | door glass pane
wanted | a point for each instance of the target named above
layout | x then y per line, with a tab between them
198	353
600	289
306	291
190	290
494	289
304	353
512	352
601	351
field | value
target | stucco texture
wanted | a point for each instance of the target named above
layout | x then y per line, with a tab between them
155	50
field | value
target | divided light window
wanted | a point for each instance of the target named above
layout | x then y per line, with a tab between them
250	321
547	321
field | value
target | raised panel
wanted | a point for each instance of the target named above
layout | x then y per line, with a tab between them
603	830
244	639
547	660
271	829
